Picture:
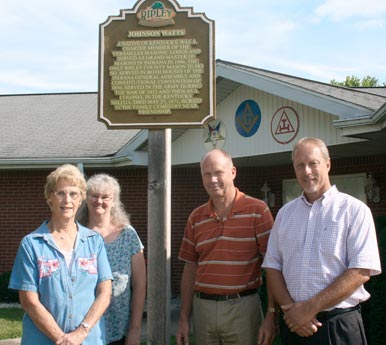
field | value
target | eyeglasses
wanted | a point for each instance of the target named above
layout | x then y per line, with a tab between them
62	195
104	197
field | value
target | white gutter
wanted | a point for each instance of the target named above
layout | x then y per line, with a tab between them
366	124
42	163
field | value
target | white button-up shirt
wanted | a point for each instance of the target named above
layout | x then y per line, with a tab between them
313	244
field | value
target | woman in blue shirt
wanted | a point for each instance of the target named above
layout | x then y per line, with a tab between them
105	213
62	272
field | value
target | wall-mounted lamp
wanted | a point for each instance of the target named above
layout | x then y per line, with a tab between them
269	197
372	190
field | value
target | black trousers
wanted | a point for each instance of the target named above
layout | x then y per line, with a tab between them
342	329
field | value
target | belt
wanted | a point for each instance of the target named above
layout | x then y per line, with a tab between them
212	297
324	315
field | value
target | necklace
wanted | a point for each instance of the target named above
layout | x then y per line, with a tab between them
62	234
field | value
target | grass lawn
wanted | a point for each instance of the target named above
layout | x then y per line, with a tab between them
10	323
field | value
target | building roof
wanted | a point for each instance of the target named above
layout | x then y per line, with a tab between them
50	128
378	90
343	102
361	111
44	130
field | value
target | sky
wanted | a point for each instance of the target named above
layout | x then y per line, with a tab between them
53	46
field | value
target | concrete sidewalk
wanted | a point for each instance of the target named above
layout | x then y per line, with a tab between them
10	341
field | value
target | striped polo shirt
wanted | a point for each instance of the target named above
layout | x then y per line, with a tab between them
229	251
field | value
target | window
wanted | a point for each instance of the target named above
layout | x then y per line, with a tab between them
353	184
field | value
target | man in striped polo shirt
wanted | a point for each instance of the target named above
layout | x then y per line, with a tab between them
223	248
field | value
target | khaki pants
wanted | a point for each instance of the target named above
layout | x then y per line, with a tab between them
233	322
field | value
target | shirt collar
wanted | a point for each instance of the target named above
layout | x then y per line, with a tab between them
44	232
236	207
325	198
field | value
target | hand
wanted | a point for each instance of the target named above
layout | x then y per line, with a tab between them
300	318
268	329
182	334
309	329
73	338
134	336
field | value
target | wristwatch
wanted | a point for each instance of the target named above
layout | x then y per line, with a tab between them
85	325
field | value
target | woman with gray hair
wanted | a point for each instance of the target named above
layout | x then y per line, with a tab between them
62	272
104	213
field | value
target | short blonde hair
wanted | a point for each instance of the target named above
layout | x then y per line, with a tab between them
217	153
69	173
315	141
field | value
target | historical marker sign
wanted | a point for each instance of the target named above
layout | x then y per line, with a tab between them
157	67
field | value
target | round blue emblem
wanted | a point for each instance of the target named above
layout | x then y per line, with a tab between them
248	118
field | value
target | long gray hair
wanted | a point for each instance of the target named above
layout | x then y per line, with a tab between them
103	183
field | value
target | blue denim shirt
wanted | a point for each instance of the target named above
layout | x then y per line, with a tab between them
66	293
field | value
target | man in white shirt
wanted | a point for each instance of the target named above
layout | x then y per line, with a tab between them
322	249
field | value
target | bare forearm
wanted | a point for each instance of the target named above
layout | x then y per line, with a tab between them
304	313
41	317
271	301
100	304
138	296
277	289
343	287
268	328
137	305
187	291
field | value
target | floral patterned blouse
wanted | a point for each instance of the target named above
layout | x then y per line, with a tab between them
119	253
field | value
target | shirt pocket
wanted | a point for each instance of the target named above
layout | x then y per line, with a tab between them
120	283
48	267
88	265
330	240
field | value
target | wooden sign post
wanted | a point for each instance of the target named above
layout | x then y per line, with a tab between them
159	211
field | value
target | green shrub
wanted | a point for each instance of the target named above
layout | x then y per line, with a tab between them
6	295
376	330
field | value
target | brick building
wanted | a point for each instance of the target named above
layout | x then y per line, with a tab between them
260	115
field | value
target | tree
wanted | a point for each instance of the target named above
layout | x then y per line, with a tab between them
353	81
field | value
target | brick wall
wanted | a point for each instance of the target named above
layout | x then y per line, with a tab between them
24	208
